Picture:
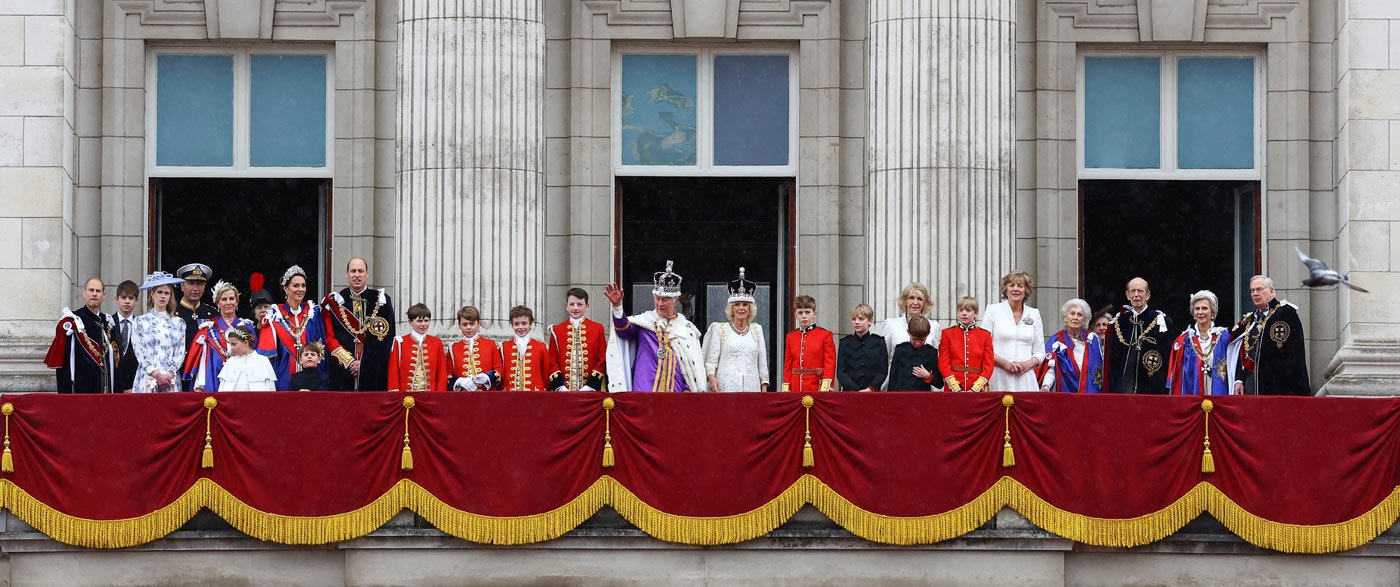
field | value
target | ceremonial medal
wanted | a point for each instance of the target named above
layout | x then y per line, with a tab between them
1153	361
661	353
378	326
1279	333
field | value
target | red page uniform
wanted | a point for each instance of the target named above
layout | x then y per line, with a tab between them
525	371
474	360
809	362
577	350
418	365
965	357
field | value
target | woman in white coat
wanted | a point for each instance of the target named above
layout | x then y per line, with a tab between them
1018	335
736	354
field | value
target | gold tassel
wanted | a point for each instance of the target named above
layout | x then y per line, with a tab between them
1008	457
1207	459
608	405
206	460
809	459
7	460
406	459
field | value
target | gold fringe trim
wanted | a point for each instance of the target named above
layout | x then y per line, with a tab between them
508	530
90	533
406	494
710	531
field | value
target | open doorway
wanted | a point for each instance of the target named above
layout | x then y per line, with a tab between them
240	227
710	227
1182	236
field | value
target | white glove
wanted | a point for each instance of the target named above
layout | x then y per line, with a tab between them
464	384
481	379
562	388
586	388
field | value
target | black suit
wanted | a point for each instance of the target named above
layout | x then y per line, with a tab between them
861	362
126	361
902	376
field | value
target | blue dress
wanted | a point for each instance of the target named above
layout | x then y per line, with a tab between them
209	351
1075	376
1188	374
283	334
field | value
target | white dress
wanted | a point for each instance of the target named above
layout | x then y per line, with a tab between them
159	341
896	331
738	361
249	372
1014	341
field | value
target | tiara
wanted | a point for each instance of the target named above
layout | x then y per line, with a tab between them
222	285
292	271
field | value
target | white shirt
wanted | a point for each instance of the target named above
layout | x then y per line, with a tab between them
418	337
522	344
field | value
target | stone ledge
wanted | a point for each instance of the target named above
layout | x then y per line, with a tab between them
809	529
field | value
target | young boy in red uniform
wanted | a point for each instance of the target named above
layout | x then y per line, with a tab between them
809	358
965	352
577	347
417	361
526	360
475	360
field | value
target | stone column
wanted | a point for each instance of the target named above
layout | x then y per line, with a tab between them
38	178
471	156
941	131
1368	212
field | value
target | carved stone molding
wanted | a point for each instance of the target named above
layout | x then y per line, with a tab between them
233	19
704	19
1231	21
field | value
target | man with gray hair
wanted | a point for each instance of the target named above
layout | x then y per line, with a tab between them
1269	344
1139	345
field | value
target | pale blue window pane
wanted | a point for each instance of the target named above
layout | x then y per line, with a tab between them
194	110
1122	112
658	109
288	102
1215	113
751	110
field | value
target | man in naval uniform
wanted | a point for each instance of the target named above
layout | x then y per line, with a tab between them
192	308
657	350
1139	345
359	332
82	349
1266	348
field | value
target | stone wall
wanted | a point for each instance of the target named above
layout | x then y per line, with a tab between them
606	550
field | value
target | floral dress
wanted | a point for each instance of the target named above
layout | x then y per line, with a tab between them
159	341
738	361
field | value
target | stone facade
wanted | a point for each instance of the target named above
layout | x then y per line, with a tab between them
606	550
76	195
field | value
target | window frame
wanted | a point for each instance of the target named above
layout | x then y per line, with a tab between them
704	113
242	113
1168	165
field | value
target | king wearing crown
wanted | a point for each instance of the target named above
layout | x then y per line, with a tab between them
657	350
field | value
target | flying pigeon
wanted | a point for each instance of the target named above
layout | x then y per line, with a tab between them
1321	275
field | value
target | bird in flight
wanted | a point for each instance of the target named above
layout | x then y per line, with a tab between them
1319	274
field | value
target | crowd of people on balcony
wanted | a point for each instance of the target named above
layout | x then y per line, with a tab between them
348	342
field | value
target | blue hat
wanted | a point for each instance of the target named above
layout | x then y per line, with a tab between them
159	278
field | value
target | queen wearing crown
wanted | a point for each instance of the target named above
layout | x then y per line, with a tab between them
736	354
289	326
657	350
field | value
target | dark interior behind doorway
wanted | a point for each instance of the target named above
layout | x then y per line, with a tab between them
709	227
241	226
1182	236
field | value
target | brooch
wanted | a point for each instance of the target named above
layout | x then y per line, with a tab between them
1027	321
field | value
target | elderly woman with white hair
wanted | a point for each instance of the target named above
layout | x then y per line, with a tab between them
1200	358
1075	353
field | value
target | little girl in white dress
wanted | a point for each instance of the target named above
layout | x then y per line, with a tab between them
245	370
